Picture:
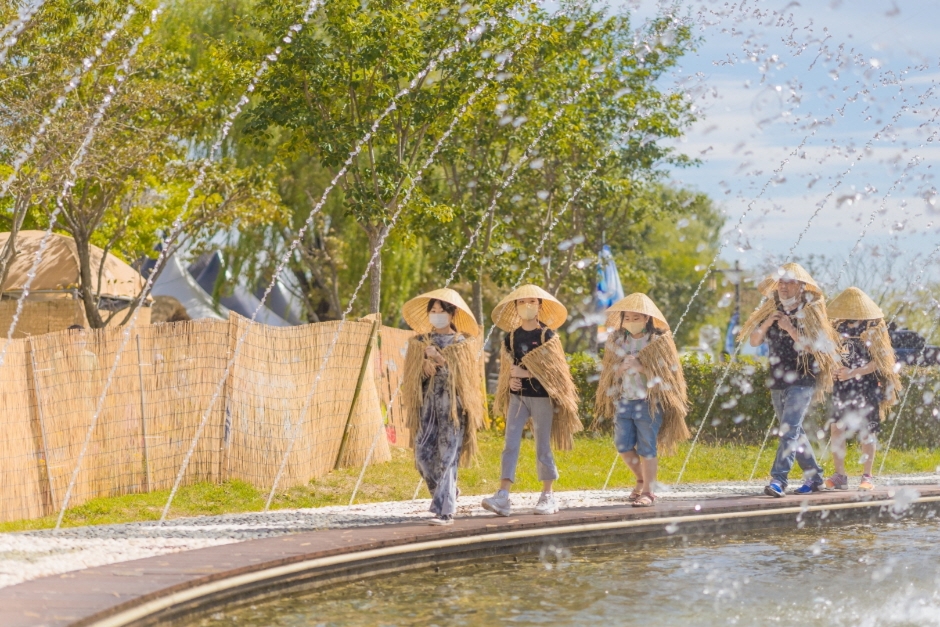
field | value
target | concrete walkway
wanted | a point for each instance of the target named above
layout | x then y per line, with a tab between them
171	585
29	555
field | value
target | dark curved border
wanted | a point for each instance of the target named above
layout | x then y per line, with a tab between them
172	586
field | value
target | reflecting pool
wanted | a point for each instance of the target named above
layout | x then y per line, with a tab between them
852	576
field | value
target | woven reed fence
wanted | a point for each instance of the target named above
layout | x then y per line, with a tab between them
168	381
390	365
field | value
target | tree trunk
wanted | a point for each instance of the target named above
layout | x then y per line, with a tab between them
478	301
9	247
375	272
87	287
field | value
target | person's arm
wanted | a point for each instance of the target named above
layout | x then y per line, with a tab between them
845	374
758	334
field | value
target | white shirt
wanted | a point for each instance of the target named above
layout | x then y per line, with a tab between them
633	386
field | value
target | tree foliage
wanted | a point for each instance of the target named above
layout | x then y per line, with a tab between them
545	134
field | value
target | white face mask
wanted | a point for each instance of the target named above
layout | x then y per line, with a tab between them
790	303
439	320
528	312
634	327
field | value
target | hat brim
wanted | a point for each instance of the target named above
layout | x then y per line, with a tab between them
854	304
636	303
613	319
551	313
415	312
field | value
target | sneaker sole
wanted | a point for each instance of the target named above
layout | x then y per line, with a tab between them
546	512
440	523
773	493
495	510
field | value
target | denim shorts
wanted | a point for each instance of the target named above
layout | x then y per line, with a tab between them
635	426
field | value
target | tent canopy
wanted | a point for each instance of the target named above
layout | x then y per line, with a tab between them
207	271
176	281
58	271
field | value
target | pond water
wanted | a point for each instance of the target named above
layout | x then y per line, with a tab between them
858	576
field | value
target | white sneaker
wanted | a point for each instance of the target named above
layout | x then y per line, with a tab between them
546	504
499	503
441	521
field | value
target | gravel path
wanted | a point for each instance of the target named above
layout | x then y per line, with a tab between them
32	554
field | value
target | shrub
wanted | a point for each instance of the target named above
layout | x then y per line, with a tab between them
742	410
584	371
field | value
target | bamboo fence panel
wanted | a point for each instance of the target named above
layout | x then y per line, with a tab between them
270	383
24	492
42	316
390	364
71	368
161	390
182	364
366	423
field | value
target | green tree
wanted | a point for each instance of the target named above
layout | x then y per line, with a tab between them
128	183
587	66
337	78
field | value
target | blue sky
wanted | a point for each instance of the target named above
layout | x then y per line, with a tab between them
858	82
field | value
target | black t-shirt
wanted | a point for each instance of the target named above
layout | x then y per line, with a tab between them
856	355
785	361
519	345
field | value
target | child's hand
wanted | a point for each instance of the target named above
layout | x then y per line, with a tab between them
519	372
515	384
429	368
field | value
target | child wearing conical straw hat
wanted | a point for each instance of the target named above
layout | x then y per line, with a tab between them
642	389
442	393
534	382
803	356
865	385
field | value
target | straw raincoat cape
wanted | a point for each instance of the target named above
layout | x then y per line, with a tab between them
854	304
464	368
546	363
660	359
817	335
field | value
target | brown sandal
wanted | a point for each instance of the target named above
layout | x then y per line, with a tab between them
637	492
647	499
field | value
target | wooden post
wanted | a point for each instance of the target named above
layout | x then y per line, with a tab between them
228	420
352	406
42	432
482	360
148	486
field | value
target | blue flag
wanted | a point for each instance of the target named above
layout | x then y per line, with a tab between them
609	289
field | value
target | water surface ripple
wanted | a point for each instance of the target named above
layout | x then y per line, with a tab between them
858	576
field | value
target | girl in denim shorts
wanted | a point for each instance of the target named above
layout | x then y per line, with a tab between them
642	389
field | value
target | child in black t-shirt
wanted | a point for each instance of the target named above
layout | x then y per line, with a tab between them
866	383
534	383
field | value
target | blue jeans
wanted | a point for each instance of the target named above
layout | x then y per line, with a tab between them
636	426
790	406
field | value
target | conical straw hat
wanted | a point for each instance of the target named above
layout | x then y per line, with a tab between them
415	312
637	303
552	313
791	272
854	304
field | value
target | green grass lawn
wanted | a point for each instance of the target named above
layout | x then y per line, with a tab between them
585	467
